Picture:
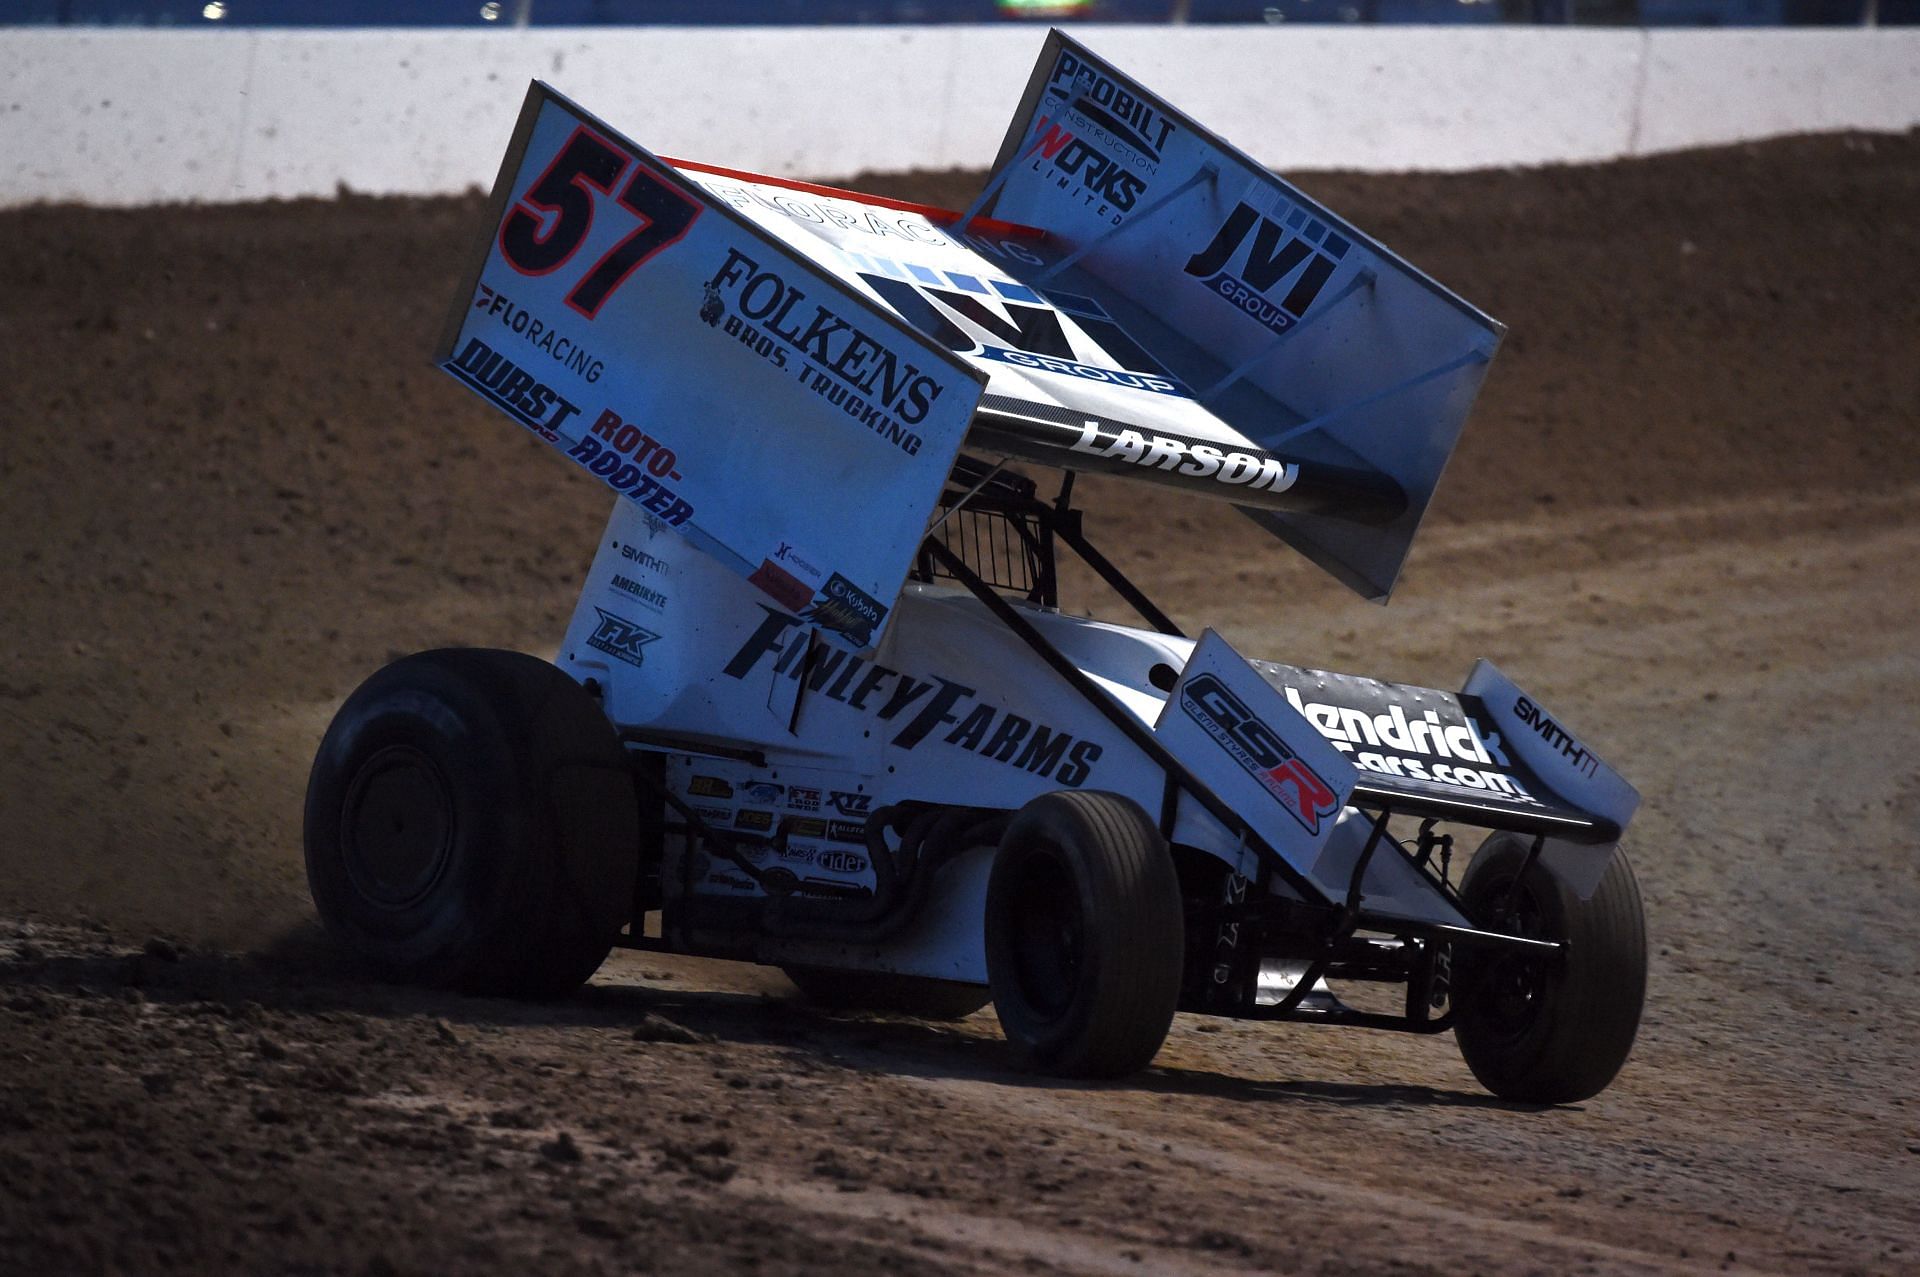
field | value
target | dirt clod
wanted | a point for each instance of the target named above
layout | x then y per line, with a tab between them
657	1028
562	1148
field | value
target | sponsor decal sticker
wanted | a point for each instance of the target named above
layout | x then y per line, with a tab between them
797	562
620	638
847	609
710	787
782	586
1115	114
1256	471
635	444
920	707
881	224
1297	247
842	862
545	228
839	361
640	558
540	334
1448	750
1104	184
1062	333
753	820
633	463
850	804
847	831
513	389
763	791
803	827
803	798
646	595
1557	736
1258	748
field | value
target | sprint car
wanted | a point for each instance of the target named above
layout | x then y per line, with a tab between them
819	706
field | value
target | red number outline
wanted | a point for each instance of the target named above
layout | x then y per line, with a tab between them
658	186
577	180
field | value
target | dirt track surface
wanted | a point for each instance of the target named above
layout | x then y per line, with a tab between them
1686	514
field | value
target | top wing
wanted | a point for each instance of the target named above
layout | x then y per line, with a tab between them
1070	378
1304	334
745	356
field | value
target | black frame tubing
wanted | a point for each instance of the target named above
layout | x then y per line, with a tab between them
1182	778
1129	726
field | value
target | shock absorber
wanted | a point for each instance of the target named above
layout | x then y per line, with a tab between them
1230	975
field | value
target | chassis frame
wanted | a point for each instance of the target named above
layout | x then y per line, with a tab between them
993	534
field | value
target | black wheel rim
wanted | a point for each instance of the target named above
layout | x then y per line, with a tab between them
396	827
1513	985
1047	933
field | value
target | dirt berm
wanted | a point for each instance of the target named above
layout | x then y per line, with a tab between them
1684	514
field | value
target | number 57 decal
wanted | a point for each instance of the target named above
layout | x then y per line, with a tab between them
541	233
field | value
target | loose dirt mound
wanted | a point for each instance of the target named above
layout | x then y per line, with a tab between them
1684	513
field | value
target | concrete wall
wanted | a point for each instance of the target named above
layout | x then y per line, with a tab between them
133	117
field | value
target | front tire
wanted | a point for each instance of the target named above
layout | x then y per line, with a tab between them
471	823
1084	934
1550	1030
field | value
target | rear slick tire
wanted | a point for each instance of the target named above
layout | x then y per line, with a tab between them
1550	1030
471	823
1084	935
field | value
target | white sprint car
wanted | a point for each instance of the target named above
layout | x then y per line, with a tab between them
818	706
